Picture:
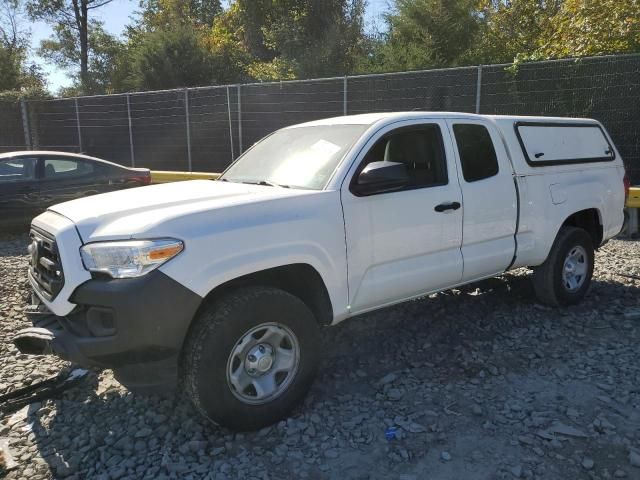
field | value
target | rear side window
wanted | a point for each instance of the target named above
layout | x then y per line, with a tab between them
562	143
63	168
477	154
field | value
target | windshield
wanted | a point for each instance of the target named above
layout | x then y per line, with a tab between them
300	157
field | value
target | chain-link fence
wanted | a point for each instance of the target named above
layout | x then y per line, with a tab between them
206	128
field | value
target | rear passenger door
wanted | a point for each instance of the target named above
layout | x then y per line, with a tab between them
405	242
68	178
489	195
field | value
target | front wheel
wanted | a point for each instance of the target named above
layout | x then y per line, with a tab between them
251	357
564	278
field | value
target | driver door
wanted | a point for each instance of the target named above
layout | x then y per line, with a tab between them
404	243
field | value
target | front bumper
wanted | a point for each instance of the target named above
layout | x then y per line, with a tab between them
116	323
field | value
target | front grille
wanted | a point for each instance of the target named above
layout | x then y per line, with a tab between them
45	266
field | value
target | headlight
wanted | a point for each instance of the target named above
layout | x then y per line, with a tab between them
130	258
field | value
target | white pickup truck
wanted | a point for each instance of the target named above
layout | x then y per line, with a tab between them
224	285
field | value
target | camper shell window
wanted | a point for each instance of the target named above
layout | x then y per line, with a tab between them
546	144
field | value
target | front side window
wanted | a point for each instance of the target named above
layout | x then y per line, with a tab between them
477	154
17	169
299	157
419	149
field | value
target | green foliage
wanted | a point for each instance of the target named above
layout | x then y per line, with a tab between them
165	14
592	28
71	44
182	43
31	93
513	29
305	38
172	45
63	50
17	74
524	30
170	58
430	33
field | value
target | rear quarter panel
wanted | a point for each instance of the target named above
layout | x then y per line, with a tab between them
551	194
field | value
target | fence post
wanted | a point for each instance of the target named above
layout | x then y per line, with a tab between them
34	127
133	157
25	123
186	110
239	123
78	124
233	157
344	96
478	89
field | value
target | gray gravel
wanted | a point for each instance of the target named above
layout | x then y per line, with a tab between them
479	383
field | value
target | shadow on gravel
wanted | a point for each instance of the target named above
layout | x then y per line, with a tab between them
405	359
14	244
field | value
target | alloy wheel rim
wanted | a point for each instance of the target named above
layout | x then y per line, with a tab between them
263	363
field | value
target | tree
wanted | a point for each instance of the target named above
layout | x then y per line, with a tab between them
319	37
178	44
513	29
171	59
296	37
592	28
166	14
72	23
16	73
102	62
430	33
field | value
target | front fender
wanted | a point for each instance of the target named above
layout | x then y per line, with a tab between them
309	231
222	270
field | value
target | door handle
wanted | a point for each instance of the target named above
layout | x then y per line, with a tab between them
443	207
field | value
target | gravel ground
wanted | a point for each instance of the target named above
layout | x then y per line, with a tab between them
479	383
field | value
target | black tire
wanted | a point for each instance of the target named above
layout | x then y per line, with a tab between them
548	278
213	336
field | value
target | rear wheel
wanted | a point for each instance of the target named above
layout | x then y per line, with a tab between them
251	357
564	278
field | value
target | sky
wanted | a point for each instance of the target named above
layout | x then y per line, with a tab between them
117	14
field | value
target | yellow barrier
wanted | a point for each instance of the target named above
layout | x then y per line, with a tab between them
163	176
633	201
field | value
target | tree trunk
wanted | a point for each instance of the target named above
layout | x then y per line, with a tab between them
83	25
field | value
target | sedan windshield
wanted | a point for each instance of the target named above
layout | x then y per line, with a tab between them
299	157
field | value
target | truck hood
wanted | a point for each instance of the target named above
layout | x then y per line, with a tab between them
136	212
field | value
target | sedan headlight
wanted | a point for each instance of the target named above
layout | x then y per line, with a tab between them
130	258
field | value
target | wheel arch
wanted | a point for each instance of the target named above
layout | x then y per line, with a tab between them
299	279
590	220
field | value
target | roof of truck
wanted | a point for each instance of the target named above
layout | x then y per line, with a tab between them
371	118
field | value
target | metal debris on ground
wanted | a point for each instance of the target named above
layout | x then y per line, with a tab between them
49	388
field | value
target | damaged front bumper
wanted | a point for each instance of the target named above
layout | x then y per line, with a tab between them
117	323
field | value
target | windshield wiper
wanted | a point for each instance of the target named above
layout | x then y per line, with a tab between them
265	183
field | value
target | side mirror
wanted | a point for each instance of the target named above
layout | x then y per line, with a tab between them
379	177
